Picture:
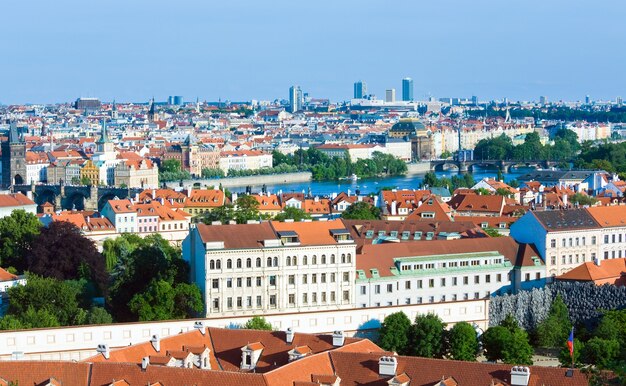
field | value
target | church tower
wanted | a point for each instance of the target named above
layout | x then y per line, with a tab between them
151	111
13	158
104	145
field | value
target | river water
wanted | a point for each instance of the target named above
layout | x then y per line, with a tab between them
372	185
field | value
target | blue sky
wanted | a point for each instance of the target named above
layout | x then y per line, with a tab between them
131	50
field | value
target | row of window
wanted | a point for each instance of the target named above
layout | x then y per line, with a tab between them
448	264
273	262
578	241
405	235
433	299
322	278
577	258
345	258
241	302
443	282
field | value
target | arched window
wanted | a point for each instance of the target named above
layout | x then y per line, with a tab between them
229	264
275	261
314	260
248	263
295	260
332	259
305	261
349	258
288	261
269	261
212	264
218	264
343	258
258	262
323	259
238	263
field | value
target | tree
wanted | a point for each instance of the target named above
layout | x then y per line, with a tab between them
482	192
361	210
155	303
247	209
427	336
394	333
582	199
518	351
495	340
62	252
601	352
84	180
258	323
145	284
98	315
503	192
566	359
291	212
212	173
223	214
57	298
463	343
492	232
18	231
554	330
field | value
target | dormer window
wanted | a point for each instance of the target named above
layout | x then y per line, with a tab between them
289	238
341	235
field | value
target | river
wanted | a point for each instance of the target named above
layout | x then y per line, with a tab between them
372	185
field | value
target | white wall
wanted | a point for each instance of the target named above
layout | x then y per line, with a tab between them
77	343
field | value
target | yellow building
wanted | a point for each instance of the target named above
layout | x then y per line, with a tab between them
89	171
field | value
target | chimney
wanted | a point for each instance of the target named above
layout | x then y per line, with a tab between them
145	362
520	376
564	199
393	208
597	261
156	343
104	350
376	201
153	194
338	338
387	366
289	335
189	192
198	325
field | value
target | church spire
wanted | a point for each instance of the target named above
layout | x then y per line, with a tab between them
104	136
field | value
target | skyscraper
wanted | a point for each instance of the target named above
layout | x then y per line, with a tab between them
390	95
360	89
295	99
407	89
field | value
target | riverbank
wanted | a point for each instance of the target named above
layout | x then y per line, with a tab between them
418	168
236	182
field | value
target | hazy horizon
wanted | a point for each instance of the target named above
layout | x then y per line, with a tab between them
55	52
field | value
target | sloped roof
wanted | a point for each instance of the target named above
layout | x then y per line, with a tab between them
610	269
237	236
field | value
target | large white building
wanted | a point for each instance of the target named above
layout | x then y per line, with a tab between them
568	238
445	271
252	269
244	160
15	201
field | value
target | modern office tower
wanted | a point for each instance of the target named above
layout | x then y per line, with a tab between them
390	95
587	99
474	100
295	99
543	100
360	89
407	89
618	101
175	100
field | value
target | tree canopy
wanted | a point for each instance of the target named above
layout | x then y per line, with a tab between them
463	343
427	336
18	231
258	323
361	210
291	212
394	333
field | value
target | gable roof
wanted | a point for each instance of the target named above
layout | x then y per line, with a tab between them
237	236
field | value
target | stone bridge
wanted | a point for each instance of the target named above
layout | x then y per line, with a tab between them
78	197
468	166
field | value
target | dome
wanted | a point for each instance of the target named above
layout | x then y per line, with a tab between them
409	127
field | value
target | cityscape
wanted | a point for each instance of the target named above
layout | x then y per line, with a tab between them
292	223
